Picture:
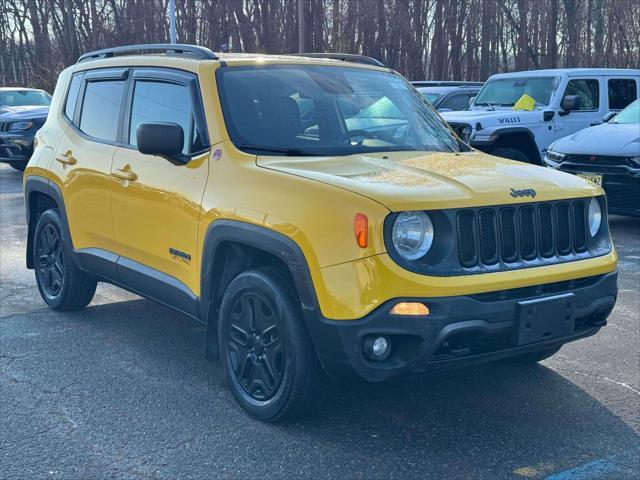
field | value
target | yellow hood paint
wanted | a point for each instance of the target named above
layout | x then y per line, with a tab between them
427	180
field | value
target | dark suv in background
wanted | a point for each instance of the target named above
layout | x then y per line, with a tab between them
448	96
22	112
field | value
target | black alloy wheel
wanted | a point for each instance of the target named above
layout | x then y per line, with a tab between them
255	348
50	262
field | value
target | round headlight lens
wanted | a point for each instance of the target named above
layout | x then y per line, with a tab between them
412	234
595	217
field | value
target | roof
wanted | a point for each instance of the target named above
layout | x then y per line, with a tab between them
190	54
461	88
571	72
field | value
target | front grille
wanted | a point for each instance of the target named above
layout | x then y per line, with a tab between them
599	160
4	126
511	234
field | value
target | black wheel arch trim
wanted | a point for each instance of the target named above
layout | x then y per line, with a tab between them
264	239
37	184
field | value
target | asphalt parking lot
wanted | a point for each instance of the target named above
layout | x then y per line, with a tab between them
122	389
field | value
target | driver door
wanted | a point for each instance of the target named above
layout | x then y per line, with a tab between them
591	107
156	203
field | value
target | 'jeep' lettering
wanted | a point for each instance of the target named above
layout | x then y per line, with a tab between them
528	192
509	120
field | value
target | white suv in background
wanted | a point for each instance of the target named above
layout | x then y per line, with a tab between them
562	101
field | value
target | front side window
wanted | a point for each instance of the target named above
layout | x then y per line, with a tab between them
622	91
631	114
457	103
101	109
327	110
160	102
589	92
505	92
24	98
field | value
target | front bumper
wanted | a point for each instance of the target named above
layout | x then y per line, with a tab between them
463	330
16	148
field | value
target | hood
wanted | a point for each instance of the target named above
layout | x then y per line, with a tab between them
489	118
12	114
427	180
615	139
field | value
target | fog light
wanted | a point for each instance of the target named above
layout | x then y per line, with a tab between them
410	308
377	347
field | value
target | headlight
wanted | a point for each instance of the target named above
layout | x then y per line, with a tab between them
595	216
412	234
21	126
555	156
465	133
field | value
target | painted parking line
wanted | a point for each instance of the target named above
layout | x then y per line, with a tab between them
622	465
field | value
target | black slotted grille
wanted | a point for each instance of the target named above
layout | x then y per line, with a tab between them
493	235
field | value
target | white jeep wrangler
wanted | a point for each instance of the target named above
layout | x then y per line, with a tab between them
561	102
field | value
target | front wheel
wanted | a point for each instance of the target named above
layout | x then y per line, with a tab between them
62	285
266	352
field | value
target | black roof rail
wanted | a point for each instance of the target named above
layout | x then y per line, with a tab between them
345	57
175	49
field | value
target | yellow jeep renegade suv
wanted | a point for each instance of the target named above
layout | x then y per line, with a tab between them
314	212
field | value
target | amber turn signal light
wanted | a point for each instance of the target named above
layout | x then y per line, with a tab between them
361	229
410	308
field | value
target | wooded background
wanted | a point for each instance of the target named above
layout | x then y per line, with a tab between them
434	39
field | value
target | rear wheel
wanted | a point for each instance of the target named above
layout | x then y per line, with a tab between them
535	357
511	154
62	285
267	355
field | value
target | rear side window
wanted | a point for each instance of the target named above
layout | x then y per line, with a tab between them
587	90
622	91
101	109
162	102
72	96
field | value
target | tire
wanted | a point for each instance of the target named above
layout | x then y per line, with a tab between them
19	166
62	285
535	357
511	154
269	362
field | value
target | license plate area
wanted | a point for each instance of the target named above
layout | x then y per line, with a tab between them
545	318
592	177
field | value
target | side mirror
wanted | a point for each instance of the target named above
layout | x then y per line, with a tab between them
570	103
163	139
608	116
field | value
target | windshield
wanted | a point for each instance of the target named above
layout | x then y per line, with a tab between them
631	114
325	110
20	98
505	92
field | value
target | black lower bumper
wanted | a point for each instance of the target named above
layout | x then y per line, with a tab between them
467	330
16	148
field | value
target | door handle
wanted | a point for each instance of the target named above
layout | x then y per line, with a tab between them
67	158
124	174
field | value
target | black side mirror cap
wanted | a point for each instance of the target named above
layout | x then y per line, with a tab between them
548	116
608	116
570	103
163	139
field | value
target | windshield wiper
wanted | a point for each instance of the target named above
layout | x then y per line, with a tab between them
288	151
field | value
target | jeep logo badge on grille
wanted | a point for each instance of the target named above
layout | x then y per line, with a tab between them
528	192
